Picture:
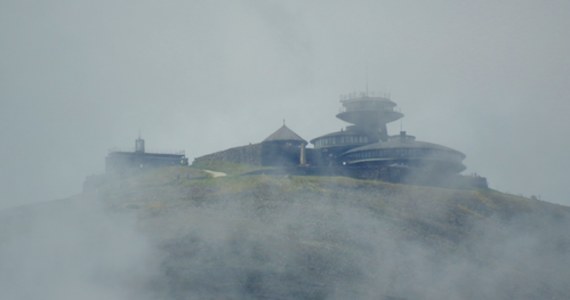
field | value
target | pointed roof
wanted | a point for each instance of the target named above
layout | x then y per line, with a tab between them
284	134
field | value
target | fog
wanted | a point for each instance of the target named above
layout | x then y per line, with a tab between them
488	78
72	250
265	244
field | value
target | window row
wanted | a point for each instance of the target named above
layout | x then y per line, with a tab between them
405	152
341	140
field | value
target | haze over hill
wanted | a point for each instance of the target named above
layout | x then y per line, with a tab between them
176	233
490	78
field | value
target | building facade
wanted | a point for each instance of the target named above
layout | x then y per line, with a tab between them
363	149
121	162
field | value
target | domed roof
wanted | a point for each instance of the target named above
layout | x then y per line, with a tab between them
406	150
284	134
402	141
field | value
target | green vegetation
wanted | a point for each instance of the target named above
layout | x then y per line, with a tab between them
440	211
226	167
309	237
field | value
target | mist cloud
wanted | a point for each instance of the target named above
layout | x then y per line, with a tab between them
71	250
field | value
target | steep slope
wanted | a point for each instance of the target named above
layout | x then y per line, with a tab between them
282	237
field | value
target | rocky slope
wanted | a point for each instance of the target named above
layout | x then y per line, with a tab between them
177	234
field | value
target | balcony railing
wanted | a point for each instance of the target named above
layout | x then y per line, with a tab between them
382	108
364	95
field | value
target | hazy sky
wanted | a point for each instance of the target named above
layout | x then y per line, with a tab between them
488	78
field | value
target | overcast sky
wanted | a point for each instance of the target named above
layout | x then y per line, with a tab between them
488	78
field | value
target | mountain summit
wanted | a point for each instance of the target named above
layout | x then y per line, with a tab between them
177	233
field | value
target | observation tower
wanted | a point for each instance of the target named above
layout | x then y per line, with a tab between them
369	114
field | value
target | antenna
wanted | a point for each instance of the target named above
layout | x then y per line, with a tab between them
366	80
139	144
401	121
283	121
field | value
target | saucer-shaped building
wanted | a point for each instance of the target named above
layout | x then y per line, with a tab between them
404	150
366	145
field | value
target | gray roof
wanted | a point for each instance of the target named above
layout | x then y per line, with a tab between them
284	134
402	143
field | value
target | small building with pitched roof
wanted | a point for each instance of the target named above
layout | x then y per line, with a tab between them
283	147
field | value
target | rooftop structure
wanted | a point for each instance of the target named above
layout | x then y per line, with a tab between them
284	134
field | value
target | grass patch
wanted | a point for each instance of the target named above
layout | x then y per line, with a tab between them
226	167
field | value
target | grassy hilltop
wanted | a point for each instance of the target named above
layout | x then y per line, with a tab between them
295	237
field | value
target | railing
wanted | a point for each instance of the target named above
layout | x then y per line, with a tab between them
357	96
367	108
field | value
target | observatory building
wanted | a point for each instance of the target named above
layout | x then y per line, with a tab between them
366	144
368	116
120	162
364	149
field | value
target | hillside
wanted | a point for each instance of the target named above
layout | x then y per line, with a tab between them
179	234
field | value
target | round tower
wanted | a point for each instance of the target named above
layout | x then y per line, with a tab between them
369	114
